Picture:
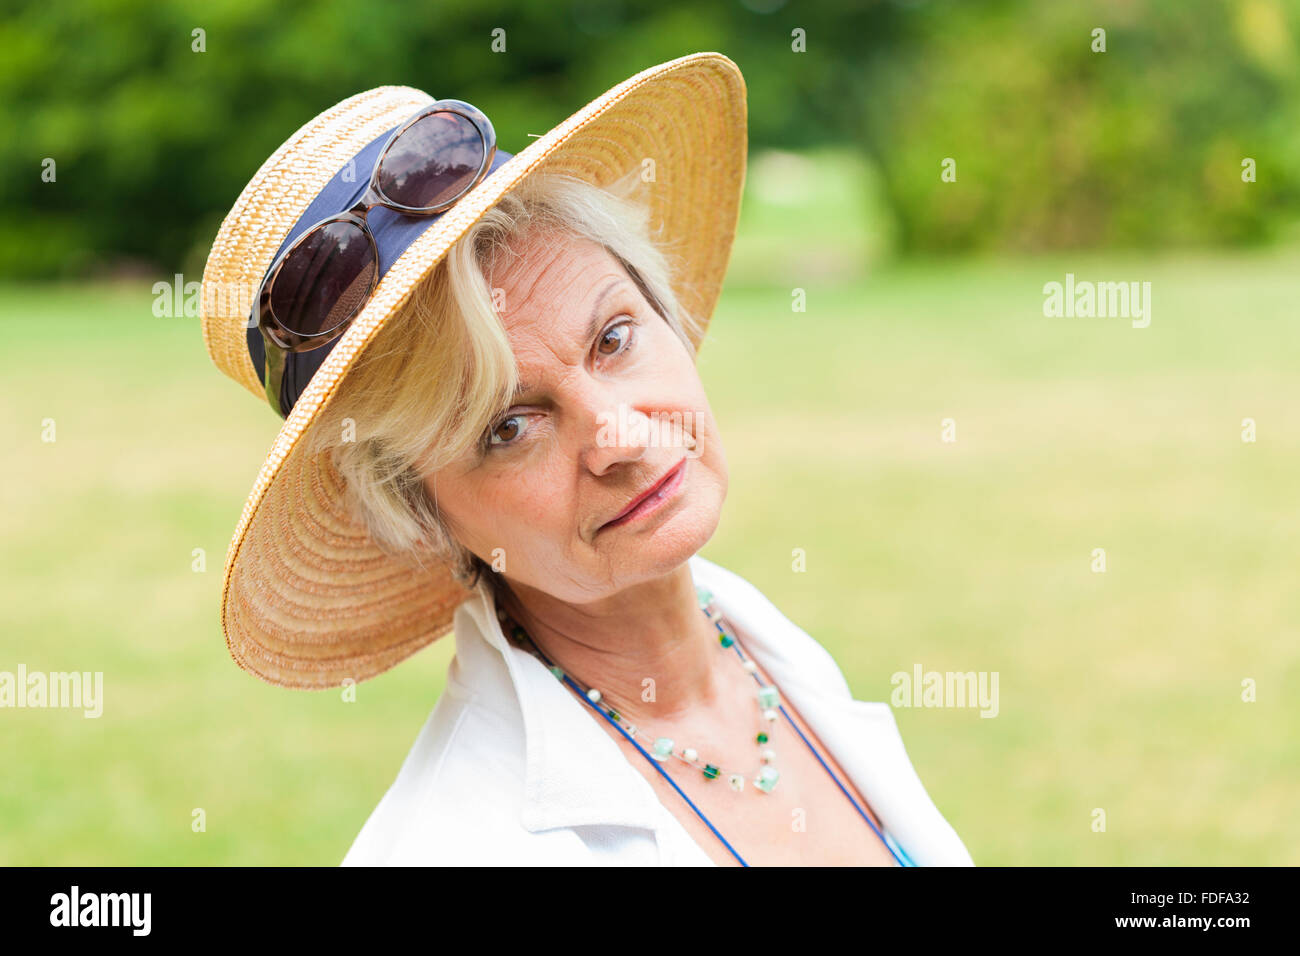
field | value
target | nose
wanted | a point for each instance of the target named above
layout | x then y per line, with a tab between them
614	431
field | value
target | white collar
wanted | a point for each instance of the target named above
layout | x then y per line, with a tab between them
575	774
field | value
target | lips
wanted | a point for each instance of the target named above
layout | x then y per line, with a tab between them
631	506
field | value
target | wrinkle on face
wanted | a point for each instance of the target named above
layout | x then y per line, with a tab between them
538	507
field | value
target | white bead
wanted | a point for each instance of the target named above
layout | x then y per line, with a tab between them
691	755
769	715
593	695
769	755
750	667
737	782
631	730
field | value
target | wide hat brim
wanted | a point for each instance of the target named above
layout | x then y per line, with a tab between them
309	600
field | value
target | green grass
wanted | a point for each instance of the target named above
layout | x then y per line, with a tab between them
1119	691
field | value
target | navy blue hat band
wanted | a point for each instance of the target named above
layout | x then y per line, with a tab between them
393	231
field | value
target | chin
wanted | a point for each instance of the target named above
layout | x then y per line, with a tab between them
670	544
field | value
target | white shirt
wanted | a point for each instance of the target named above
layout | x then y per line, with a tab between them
511	768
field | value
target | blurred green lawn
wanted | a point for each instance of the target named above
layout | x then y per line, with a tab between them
1119	691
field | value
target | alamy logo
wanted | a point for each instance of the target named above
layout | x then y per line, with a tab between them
1123	300
102	909
658	429
84	689
946	689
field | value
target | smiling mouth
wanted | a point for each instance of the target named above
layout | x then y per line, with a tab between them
654	498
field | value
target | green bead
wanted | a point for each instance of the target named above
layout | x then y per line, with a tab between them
559	674
762	738
612	713
663	748
766	779
767	697
725	640
704	594
710	772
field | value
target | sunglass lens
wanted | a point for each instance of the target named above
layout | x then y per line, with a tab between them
432	162
326	279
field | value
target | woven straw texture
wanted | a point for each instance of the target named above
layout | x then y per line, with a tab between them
309	600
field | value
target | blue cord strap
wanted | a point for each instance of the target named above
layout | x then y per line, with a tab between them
894	849
568	680
890	844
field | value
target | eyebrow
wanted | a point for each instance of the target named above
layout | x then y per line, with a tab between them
592	325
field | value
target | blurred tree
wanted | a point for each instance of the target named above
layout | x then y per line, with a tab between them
1054	145
1058	145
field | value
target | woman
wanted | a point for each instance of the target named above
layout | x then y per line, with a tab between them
495	425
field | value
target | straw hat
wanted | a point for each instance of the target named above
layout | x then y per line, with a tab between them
309	600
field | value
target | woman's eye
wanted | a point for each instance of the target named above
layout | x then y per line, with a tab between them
512	431
610	336
619	334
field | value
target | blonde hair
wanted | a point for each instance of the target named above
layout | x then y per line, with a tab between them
427	387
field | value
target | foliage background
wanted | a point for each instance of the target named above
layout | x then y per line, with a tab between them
1057	146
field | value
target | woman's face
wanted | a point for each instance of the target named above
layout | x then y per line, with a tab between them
612	403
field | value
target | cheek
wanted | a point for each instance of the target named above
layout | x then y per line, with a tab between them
468	505
510	510
709	449
694	408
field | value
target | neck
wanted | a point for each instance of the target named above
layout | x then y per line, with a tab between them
653	631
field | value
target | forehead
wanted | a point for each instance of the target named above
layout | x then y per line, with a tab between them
555	276
555	294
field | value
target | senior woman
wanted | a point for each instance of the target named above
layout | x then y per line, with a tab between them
494	425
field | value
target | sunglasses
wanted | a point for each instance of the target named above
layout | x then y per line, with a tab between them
317	286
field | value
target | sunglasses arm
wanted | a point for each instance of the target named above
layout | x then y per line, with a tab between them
274	371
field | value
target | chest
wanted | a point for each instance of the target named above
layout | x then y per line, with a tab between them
815	827
806	820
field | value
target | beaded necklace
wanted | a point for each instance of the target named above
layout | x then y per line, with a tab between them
769	702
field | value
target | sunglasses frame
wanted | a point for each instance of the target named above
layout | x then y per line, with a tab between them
279	340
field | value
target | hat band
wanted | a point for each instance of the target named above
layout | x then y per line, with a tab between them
393	231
